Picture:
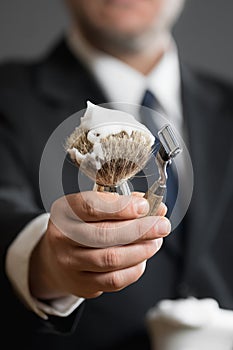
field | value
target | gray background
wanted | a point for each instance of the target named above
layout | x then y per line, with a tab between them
203	32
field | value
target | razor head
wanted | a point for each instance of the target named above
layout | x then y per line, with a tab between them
169	144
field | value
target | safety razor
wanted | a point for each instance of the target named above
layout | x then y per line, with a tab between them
169	149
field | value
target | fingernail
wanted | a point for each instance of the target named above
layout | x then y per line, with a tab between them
142	206
163	226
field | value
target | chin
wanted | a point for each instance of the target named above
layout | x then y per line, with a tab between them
134	17
129	29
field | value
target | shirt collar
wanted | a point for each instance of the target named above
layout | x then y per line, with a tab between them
122	83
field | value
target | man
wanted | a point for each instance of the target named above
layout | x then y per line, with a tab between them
56	292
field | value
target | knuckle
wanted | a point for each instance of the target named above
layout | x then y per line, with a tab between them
115	281
145	228
139	227
111	259
89	208
102	234
67	261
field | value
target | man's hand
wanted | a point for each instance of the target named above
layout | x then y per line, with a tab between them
95	242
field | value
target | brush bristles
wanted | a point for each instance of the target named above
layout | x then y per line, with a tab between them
123	156
78	139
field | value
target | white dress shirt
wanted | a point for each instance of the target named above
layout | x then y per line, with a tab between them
120	83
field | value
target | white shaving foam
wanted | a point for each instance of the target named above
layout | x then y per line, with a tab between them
101	123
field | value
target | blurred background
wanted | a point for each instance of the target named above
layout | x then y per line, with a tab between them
203	33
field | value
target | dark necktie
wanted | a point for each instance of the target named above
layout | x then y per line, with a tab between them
173	244
148	118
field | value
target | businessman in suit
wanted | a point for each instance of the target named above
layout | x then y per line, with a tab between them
55	292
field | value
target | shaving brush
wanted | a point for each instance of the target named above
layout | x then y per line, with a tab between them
110	147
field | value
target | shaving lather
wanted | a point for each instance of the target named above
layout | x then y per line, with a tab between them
111	147
169	148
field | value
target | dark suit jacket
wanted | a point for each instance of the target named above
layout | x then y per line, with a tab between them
35	97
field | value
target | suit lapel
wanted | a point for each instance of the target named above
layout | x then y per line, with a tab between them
204	114
64	80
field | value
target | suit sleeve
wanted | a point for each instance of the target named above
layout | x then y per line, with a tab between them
18	207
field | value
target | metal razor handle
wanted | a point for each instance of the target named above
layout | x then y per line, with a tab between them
121	189
155	193
154	199
168	150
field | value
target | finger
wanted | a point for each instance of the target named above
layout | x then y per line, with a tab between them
113	281
96	206
137	194
162	210
112	233
115	258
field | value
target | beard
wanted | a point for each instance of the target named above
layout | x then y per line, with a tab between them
117	42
